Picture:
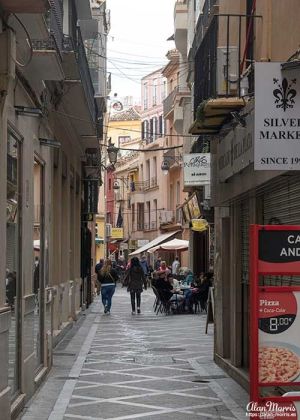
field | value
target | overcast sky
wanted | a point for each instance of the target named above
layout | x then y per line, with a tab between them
137	41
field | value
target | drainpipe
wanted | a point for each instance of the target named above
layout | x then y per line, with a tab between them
267	33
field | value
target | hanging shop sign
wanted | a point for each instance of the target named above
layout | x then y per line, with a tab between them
277	122
194	207
199	225
117	233
275	320
196	169
91	192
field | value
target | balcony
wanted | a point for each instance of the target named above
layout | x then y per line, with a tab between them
24	6
181	25
168	103
46	35
166	216
79	98
152	225
150	183
224	67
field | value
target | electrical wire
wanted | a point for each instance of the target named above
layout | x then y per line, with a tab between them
121	128
28	40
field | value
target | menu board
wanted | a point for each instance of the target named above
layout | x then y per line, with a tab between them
279	338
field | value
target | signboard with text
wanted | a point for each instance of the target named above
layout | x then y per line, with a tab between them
196	169
277	121
274	317
117	233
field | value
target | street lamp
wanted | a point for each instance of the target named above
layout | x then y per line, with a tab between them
168	160
116	185
112	152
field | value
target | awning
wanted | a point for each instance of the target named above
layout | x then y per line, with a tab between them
173	245
160	239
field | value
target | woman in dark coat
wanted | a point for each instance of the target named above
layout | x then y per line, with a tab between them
135	279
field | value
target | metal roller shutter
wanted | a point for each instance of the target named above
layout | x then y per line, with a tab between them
245	222
281	205
281	201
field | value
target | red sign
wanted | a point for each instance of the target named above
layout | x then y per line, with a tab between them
274	319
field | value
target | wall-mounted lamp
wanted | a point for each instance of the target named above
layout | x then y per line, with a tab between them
168	161
112	152
116	185
28	111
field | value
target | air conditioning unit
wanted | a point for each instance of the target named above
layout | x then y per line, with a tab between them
233	70
108	230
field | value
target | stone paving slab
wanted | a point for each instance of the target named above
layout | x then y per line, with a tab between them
138	367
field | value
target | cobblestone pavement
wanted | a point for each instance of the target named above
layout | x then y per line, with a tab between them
124	366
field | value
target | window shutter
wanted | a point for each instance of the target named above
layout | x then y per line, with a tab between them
143	130
160	130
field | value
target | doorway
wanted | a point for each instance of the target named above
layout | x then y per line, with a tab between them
38	262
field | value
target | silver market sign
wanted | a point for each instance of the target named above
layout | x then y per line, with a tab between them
277	118
196	169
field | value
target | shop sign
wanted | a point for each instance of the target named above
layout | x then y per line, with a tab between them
275	319
196	169
235	151
284	254
199	225
277	122
91	193
117	233
193	206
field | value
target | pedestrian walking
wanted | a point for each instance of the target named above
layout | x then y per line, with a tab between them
144	265
157	263
175	266
135	279
108	278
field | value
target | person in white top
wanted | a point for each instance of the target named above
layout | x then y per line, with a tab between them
175	266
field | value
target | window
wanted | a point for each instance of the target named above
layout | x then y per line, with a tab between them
13	257
164	91
123	140
155	128
140	216
147	224
154	92
178	193
151	130
109	184
155	168
160	126
145	96
133	215
154	216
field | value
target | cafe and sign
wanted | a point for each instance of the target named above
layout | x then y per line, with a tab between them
277	118
274	317
196	169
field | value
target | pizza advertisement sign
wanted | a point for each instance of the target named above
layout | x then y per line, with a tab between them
274	319
283	257
279	338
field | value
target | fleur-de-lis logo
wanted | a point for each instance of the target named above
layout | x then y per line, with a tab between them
284	94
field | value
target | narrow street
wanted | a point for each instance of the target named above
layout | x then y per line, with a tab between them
136	367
